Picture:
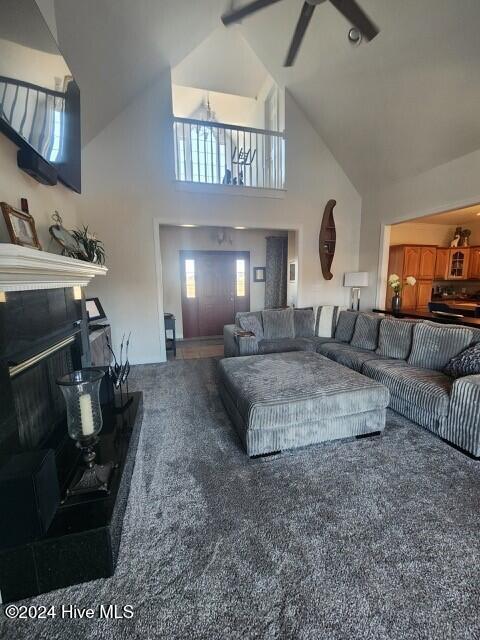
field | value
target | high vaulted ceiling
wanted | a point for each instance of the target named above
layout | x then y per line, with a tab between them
223	62
402	104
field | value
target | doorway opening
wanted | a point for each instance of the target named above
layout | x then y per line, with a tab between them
441	252
210	274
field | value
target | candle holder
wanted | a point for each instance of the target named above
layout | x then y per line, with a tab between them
81	390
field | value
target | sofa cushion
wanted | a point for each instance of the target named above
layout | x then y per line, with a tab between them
365	335
250	322
240	314
345	325
475	335
466	363
304	323
427	390
351	357
395	338
434	345
282	345
278	323
326	320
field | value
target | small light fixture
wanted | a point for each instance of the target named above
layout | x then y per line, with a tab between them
188	226
77	293
354	36
240	228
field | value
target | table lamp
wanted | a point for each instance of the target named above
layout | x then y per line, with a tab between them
355	280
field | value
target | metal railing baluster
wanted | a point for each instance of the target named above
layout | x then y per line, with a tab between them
265	147
198	154
24	118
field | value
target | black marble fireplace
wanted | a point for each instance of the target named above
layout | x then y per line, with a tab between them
43	335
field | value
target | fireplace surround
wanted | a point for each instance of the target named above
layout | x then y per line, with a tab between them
44	335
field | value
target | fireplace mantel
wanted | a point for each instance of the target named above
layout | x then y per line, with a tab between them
23	269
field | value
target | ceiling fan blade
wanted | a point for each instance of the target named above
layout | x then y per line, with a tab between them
302	24
237	14
357	17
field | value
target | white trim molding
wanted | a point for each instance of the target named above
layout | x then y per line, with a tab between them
22	269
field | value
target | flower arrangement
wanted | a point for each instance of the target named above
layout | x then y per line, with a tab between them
396	284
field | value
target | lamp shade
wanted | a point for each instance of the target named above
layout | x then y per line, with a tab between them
356	279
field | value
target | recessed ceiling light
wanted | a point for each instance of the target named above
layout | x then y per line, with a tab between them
188	226
246	227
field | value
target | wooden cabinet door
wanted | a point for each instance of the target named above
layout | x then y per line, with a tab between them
411	261
426	270
459	258
409	297
424	294
474	270
442	263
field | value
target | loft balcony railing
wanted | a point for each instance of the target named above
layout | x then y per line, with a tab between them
217	153
35	112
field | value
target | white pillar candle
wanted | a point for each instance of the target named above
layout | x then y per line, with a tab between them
86	414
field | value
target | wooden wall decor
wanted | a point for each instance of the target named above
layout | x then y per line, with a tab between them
327	240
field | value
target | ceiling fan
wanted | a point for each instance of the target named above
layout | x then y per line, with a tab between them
348	8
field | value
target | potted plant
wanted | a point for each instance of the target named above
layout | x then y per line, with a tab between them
396	284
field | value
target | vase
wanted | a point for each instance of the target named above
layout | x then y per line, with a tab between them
396	304
81	390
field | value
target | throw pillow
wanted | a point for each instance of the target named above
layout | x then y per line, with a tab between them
434	345
253	324
326	323
304	322
345	325
466	363
278	323
395	338
365	335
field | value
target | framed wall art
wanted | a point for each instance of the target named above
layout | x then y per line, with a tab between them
21	227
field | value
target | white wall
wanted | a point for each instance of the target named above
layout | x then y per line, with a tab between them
450	186
129	189
175	239
228	108
439	234
32	65
418	233
42	200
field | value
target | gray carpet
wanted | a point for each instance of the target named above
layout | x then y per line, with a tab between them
376	538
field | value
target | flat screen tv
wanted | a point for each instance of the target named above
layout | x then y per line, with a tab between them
39	98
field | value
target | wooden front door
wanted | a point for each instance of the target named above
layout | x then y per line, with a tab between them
215	285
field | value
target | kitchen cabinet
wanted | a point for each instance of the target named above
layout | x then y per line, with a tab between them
441	263
458	262
474	268
423	294
418	261
411	261
426	269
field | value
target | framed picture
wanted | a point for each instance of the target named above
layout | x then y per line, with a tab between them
292	271
259	274
21	227
94	309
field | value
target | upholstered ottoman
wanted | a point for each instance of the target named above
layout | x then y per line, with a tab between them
286	400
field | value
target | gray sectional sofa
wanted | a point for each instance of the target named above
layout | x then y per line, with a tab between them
406	356
277	331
